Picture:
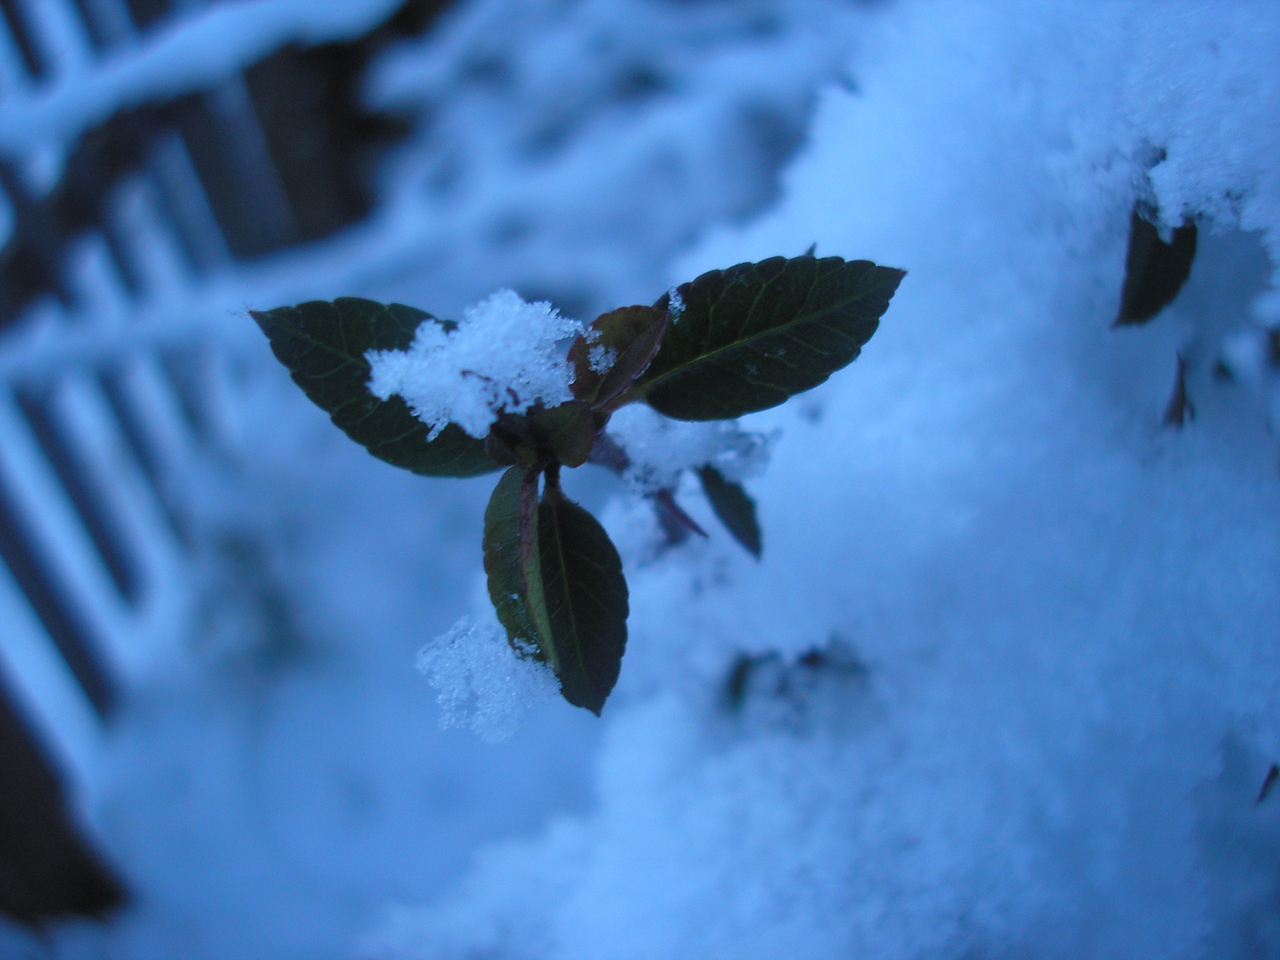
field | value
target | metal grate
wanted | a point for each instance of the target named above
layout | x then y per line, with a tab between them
94	542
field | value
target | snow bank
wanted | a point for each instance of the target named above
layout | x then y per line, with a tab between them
1065	613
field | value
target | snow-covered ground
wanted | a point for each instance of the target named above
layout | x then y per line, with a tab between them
1044	703
1065	614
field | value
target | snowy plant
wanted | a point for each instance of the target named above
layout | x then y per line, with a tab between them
442	398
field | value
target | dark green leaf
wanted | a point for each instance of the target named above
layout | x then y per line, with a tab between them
755	334
567	432
500	453
586	599
675	523
512	561
510	441
323	344
628	338
563	434
1180	408
736	510
1154	271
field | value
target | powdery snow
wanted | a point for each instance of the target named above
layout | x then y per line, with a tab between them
1067	612
660	448
484	683
505	355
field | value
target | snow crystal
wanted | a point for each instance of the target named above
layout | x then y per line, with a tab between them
601	359
483	682
505	355
675	305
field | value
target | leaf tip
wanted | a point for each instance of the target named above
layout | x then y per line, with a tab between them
262	318
736	510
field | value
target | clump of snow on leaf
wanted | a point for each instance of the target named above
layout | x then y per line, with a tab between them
601	359
483	682
503	356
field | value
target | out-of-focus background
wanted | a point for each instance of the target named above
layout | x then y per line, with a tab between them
211	734
1004	681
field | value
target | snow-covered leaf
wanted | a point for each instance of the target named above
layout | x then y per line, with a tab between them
324	344
586	600
749	337
736	510
504	357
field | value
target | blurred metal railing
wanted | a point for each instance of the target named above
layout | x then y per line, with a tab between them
108	223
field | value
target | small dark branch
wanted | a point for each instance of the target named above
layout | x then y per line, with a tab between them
552	474
665	502
672	529
813	659
1268	782
675	532
1180	408
735	686
511	392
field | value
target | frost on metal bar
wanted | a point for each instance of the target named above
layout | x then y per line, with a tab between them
193	53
